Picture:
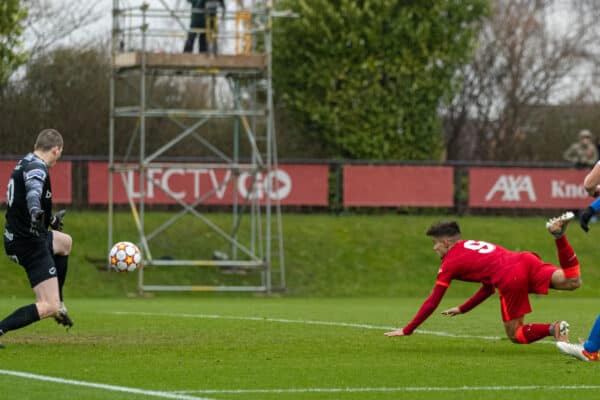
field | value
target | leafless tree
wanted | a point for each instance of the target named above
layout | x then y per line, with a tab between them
50	21
527	51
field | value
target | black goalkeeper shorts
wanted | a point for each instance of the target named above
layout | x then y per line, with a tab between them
35	255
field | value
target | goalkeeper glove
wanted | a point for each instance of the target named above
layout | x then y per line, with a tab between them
56	222
37	222
585	216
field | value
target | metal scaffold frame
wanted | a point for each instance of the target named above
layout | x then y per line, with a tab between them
134	60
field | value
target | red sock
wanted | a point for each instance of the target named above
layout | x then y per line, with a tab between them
532	332
566	255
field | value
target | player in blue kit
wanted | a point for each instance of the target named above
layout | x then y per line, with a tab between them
591	183
587	351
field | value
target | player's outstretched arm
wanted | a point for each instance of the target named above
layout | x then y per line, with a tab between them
452	311
397	332
427	308
482	294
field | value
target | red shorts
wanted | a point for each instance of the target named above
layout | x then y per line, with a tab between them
529	275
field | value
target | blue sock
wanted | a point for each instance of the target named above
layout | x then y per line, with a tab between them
596	204
593	342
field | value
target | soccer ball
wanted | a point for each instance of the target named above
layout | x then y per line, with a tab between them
125	257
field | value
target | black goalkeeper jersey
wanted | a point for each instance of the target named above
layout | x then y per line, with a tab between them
29	187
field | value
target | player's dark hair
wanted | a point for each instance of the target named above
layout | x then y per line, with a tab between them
47	139
444	229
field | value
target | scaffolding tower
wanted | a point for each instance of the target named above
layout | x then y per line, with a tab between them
146	47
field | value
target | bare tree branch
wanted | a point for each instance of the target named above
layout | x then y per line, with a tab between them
522	60
49	22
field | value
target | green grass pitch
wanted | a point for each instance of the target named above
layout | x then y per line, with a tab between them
290	348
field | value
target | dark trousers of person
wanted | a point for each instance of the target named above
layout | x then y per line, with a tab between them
202	36
189	43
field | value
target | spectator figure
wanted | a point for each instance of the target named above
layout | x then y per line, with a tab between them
583	154
243	27
203	24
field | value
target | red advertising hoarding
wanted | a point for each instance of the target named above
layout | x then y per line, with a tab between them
527	188
378	185
293	184
60	176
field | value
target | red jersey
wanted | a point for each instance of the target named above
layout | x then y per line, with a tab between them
476	261
491	265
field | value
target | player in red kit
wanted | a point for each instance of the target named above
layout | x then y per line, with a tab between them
513	274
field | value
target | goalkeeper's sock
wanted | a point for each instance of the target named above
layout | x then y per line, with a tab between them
60	262
592	344
532	332
20	318
567	258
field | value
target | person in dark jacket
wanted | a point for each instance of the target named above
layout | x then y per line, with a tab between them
203	11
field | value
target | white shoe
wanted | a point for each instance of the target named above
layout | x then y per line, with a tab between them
558	225
577	351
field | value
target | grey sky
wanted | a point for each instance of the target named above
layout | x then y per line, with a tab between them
101	27
559	18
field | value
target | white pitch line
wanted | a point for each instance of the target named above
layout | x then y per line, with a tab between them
113	388
395	389
302	321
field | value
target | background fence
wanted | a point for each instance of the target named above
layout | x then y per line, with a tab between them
81	182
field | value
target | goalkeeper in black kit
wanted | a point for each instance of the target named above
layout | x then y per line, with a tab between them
43	253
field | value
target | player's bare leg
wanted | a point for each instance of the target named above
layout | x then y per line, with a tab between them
568	277
62	243
47	298
46	305
521	333
560	282
511	328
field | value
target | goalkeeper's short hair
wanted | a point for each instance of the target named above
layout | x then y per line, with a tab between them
47	139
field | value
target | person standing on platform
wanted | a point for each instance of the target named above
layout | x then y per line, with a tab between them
203	24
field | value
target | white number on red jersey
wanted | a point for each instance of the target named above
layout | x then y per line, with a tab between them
479	246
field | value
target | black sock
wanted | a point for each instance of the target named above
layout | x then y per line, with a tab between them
20	318
60	262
